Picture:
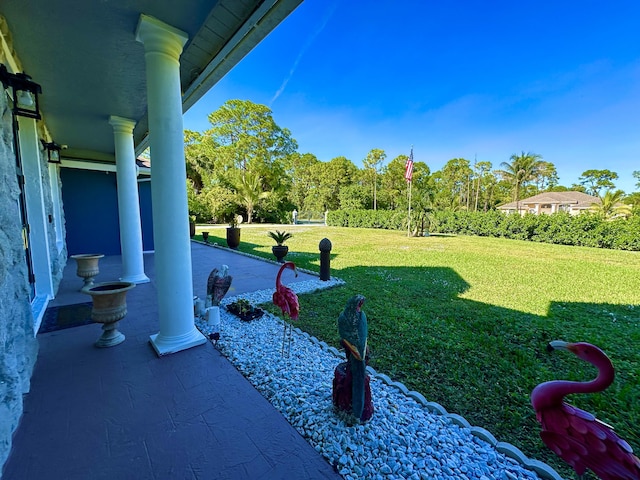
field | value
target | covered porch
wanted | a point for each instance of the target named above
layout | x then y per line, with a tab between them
87	90
123	412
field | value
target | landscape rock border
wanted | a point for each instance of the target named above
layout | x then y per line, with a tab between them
541	469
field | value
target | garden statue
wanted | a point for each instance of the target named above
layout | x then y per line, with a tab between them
287	300
217	287
351	383
576	436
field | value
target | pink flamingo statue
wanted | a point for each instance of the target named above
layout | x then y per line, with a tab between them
287	300
576	436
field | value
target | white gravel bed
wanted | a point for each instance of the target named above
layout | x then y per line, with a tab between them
405	439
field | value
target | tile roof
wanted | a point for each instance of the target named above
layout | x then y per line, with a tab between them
573	198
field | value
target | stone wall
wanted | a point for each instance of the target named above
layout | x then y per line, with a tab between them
18	347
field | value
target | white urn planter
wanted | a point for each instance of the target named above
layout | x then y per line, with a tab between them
109	307
87	267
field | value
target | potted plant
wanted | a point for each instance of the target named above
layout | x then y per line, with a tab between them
280	250
243	309
233	233
192	226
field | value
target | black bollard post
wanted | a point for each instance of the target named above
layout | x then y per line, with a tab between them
325	259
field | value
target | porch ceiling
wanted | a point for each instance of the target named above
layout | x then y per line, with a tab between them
85	56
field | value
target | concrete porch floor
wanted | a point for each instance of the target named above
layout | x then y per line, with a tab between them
124	413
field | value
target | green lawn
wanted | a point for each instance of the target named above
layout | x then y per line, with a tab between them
465	320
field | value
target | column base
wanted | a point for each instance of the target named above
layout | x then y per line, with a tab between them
168	345
139	278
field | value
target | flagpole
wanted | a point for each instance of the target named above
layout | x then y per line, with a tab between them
409	217
408	175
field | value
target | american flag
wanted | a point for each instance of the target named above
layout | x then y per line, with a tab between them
408	168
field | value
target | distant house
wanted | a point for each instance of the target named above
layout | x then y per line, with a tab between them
552	202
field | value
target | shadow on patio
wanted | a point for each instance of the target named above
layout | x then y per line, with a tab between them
122	412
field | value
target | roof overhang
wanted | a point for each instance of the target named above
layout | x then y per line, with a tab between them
90	66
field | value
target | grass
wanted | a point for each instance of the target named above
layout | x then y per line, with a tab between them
465	320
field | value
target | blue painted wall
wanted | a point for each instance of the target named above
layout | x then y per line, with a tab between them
90	200
146	218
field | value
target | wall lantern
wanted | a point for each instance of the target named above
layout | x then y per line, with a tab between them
24	92
53	151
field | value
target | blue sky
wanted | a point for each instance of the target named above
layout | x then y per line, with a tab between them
455	79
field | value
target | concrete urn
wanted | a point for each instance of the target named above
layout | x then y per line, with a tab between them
109	307
87	267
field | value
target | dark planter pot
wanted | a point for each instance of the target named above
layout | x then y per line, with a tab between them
233	237
192	229
280	251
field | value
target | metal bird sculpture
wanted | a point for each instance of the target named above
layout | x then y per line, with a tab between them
218	284
577	436
287	300
353	330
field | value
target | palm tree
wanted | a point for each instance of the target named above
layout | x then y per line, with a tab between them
611	205
523	168
249	192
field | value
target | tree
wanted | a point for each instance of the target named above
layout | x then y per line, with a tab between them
559	188
245	136
372	163
636	175
249	191
546	176
393	186
611	205
481	170
198	149
523	169
422	196
243	140
330	177
354	197
299	170
452	184
634	201
596	180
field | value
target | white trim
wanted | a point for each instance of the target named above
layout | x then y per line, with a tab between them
205	80
56	198
9	58
87	165
99	166
38	219
38	308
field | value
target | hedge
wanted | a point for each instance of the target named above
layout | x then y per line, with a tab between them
586	229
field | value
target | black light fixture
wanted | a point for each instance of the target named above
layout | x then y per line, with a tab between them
25	93
53	151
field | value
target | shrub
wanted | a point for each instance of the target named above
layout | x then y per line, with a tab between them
586	229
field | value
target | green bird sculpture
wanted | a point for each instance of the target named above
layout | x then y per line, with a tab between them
353	330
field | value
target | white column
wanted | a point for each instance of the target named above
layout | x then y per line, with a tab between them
128	201
163	46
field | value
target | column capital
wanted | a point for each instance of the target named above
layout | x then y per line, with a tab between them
122	125
157	36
